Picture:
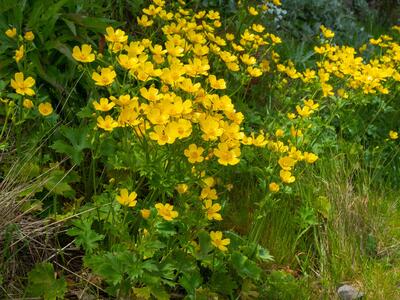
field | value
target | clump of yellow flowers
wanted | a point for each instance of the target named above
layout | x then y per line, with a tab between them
167	91
347	64
174	91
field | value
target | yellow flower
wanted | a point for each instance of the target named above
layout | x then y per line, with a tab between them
173	49
259	141
279	133
286	163
45	109
27	103
126	199
227	156
393	135
310	157
212	210
145	213
127	62
310	103
208	193
116	47
286	176
187	86
342	93
273	187
218	84
218	242
84	54
234	67
125	100
194	153
265	65
166	211
295	132
230	36
107	123
258	28
213	15
159	2
327	33
179	129
146	43
182	188
209	181
252	11
21	86
304	111
254	72
295	154
248	60
129	116
168	16
104	105
157	50
237	47
151	94
29	36
117	36
106	77
158	134
152	10
275	39
19	54
11	32
144	21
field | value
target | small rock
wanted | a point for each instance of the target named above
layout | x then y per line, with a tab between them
347	292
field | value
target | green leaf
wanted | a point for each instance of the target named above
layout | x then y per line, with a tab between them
142	293
191	281
43	283
150	247
165	228
168	271
263	254
204	242
323	206
77	141
63	147
244	266
182	261
96	24
85	112
222	282
71	26
58	183
61	47
115	266
107	266
160	294
84	235
44	72
249	290
3	85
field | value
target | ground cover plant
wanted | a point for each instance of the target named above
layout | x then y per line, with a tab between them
177	150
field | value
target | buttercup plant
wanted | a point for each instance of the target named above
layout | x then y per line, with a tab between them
160	139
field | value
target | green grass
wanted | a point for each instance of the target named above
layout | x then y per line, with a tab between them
339	228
